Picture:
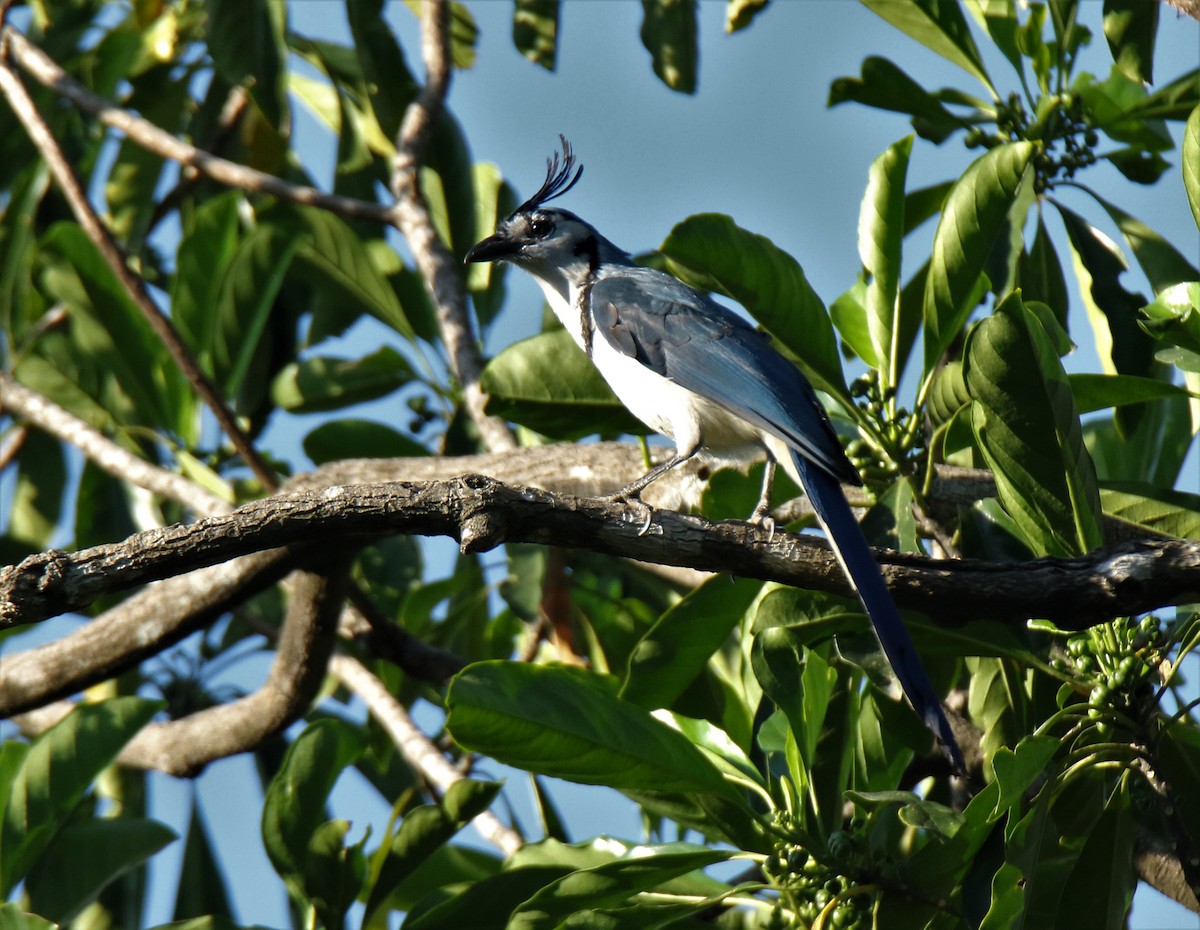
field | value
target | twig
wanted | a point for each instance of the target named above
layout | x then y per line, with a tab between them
414	745
45	71
27	112
98	448
411	216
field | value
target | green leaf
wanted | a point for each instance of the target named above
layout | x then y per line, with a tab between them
485	904
570	724
306	849
358	439
1130	27
246	42
86	857
202	888
426	829
322	383
547	384
1040	274
336	257
1098	392
1163	264
13	918
55	774
938	26
1028	429
120	360
676	649
740	13
607	885
712	252
384	70
885	86
1158	509
974	218
1191	162
880	234
36	502
669	34
1113	311
208	244
535	31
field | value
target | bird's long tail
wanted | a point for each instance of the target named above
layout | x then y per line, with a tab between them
848	544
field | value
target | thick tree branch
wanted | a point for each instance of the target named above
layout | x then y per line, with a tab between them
184	747
414	745
482	513
139	627
441	272
43	139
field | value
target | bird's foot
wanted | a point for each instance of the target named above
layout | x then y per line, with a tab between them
762	518
633	502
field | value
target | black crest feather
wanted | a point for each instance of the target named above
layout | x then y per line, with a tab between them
561	175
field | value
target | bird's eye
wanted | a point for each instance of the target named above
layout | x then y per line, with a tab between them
540	226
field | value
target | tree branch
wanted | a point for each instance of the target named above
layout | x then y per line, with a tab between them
411	215
139	627
482	513
414	745
43	139
46	71
98	448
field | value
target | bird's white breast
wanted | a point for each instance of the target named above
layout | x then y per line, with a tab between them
660	403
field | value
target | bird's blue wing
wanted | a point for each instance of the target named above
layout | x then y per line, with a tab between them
711	351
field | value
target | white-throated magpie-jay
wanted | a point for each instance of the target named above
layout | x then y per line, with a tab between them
696	372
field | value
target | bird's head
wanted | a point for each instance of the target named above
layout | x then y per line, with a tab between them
539	238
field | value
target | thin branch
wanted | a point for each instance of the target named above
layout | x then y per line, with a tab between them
45	71
27	112
414	745
98	448
411	216
482	513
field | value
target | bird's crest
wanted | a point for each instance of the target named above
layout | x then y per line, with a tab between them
561	176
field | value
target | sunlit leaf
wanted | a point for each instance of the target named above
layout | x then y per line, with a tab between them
938	26
974	218
1191	162
880	234
1028	429
669	32
535	31
323	383
570	724
1159	509
1130	27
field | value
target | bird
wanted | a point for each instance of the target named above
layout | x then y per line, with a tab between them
701	375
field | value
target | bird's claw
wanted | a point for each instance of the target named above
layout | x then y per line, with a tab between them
762	518
633	502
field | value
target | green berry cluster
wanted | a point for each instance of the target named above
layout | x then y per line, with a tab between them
1062	126
896	433
1119	660
815	892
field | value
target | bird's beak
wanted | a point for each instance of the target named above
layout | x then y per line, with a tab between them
491	249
